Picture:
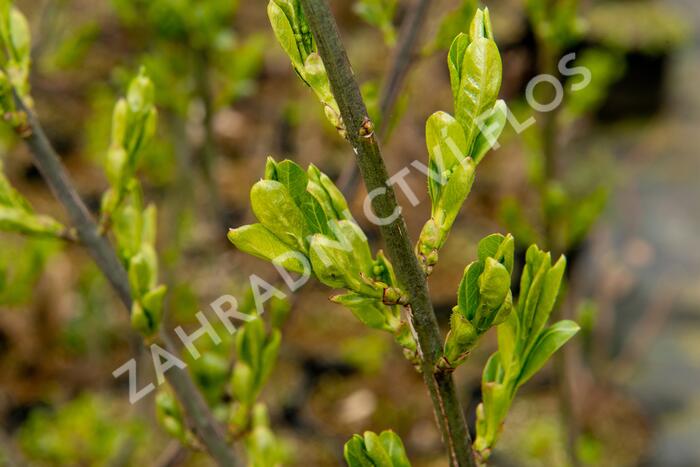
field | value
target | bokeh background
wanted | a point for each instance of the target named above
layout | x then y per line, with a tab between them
626	200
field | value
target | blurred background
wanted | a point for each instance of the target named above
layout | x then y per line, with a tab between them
610	179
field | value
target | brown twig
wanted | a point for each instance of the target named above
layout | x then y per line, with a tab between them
440	385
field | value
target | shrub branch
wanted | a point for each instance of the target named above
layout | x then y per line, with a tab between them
49	165
447	408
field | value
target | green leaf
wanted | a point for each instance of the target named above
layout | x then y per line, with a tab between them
355	453
489	245
481	73
455	192
491	128
494	284
549	342
350	234
455	59
269	356
152	302
20	36
143	271
461	338
370	311
275	209
18	220
548	297
394	447
324	187
243	382
375	449
258	241
293	177
538	266
270	169
508	333
468	294
249	343
282	28
447	147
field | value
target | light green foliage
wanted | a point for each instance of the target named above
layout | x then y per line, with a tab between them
86	431
256	352
525	343
22	262
16	41
17	215
292	33
556	24
134	227
372	450
606	68
306	227
379	13
455	22
456	145
571	214
134	123
264	449
193	46
484	298
170	417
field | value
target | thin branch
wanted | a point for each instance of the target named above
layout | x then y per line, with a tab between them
47	161
408	39
447	408
398	72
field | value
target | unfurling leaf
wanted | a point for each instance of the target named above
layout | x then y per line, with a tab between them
275	208
258	241
524	344
456	145
549	341
372	450
484	298
379	13
306	226
292	32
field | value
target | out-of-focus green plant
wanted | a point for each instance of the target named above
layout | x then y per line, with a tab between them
556	24
292	32
525	344
256	352
22	261
86	431
134	227
15	61
457	144
306	226
264	449
134	123
455	22
193	39
376	450
566	214
379	13
17	215
232	391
